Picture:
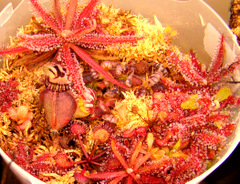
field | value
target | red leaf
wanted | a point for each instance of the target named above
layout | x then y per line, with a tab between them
207	138
14	50
95	65
214	71
46	17
108	175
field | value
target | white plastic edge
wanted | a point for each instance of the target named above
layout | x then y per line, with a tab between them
26	177
6	13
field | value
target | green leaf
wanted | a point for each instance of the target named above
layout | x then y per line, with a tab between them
223	94
178	154
190	104
177	145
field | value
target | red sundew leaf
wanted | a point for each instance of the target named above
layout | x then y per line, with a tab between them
194	118
57	14
196	64
205	105
182	167
211	153
225	130
160	164
113	163
188	71
77	129
86	12
123	148
22	156
205	100
173	116
45	42
74	73
71	14
108	175
74	35
129	133
80	178
42	157
8	94
39	166
140	161
214	71
217	117
82	147
160	105
31	153
175	100
45	16
130	180
152	179
141	131
234	100
118	155
117	180
95	65
207	138
164	141
14	50
13	83
159	96
135	153
194	150
99	39
224	104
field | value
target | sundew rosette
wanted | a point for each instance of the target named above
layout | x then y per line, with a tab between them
100	94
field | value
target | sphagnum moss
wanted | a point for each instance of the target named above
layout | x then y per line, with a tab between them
165	122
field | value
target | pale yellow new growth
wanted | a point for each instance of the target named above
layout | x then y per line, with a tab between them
60	179
156	37
133	112
4	128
